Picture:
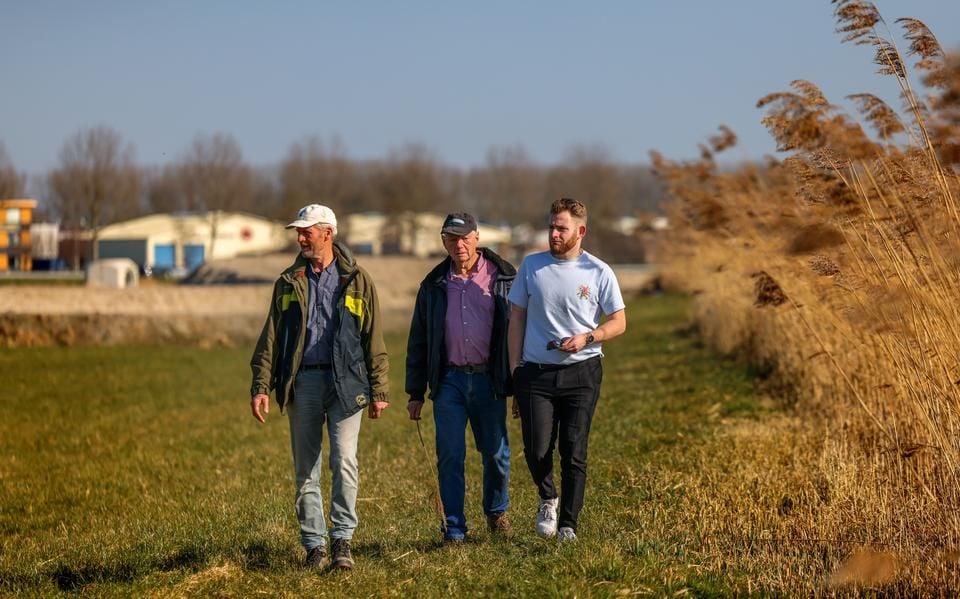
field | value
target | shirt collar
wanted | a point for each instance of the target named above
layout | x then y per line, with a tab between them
331	269
479	266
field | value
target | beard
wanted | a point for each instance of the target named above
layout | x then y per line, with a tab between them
562	247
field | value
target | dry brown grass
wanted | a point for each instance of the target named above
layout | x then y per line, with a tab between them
838	269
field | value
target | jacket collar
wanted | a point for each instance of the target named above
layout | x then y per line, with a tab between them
346	263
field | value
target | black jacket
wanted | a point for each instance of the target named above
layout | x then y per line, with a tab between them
426	351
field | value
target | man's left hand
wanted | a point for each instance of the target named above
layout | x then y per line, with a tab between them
574	344
377	408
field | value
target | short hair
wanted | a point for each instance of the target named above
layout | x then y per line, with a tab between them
574	207
333	228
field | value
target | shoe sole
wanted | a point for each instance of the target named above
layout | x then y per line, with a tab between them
341	565
546	535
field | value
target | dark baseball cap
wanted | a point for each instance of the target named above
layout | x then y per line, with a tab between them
459	224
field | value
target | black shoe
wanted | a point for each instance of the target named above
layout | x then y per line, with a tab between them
342	559
316	558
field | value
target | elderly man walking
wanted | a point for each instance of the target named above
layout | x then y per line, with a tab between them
557	302
458	349
321	352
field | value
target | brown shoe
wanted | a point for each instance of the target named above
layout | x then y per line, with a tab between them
316	558
342	557
500	525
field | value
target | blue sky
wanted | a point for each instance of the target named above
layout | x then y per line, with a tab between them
459	77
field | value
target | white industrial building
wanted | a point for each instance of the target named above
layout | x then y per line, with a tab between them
410	233
164	242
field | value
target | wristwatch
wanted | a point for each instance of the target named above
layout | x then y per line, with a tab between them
589	338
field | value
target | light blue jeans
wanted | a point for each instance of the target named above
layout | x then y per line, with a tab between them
315	404
464	398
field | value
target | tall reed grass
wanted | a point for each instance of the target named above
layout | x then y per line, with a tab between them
837	269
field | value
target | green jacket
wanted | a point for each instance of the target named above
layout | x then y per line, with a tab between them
359	356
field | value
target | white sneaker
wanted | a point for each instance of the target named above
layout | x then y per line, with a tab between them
566	534
547	517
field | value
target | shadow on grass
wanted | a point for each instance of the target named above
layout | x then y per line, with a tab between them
259	556
188	557
72	577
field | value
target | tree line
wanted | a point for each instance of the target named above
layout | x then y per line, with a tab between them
97	181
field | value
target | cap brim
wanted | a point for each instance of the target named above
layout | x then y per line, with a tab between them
459	231
302	224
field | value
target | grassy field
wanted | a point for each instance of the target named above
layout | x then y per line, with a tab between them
139	471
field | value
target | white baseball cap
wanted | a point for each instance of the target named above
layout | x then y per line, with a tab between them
314	214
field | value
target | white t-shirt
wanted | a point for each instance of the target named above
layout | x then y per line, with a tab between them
563	298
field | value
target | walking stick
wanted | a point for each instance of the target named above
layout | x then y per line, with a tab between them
437	503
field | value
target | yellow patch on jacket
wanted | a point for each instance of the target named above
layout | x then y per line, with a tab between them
356	307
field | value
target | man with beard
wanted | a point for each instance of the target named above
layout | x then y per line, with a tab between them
322	352
557	301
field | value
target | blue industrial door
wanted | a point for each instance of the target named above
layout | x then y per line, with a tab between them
192	256
164	256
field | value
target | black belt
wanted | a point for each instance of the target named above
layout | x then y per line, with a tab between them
558	366
537	366
316	367
468	368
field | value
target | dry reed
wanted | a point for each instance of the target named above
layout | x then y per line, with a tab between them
839	268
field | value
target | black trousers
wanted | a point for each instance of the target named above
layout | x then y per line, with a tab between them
557	405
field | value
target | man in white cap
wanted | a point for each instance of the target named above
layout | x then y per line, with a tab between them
322	353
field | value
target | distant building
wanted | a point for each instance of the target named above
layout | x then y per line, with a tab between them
45	246
166	242
411	233
363	232
15	219
418	234
73	248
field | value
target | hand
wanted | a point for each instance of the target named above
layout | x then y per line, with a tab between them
414	406
574	344
377	408
260	401
515	409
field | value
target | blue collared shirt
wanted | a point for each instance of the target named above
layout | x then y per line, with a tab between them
322	289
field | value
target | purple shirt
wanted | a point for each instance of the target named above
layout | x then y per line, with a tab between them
469	321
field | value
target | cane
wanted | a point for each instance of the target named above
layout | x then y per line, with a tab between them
437	503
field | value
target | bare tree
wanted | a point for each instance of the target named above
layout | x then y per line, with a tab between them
162	189
211	177
508	189
411	179
97	182
316	173
265	194
588	174
12	181
643	192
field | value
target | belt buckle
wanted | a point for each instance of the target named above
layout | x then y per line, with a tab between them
469	369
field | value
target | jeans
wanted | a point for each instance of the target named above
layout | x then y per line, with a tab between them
466	397
315	403
557	404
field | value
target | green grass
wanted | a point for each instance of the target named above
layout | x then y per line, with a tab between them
136	470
